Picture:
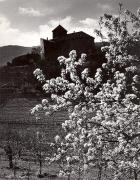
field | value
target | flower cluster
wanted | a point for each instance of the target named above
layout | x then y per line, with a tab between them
39	75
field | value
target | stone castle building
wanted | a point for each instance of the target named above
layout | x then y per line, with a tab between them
62	43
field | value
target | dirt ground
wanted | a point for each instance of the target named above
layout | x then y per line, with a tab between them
22	171
25	167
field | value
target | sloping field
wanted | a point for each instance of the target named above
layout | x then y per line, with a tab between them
15	114
18	110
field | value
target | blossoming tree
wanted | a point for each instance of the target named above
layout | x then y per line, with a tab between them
103	128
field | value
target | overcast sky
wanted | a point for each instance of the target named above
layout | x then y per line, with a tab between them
24	22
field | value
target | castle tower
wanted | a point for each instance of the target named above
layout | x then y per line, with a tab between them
59	31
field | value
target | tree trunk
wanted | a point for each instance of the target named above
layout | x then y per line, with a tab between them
28	171
79	173
40	166
10	158
40	162
100	173
9	154
14	168
135	175
69	177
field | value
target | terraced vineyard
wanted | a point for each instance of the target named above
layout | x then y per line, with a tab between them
15	114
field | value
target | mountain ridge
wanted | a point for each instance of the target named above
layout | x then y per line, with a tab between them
7	53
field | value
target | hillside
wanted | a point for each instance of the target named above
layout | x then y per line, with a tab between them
16	114
7	53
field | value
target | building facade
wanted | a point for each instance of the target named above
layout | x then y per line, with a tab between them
62	43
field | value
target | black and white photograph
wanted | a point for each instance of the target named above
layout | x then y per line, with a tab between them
70	89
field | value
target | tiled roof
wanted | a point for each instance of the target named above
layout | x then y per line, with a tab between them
59	27
70	36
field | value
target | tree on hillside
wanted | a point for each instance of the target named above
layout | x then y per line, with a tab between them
13	143
103	127
36	50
